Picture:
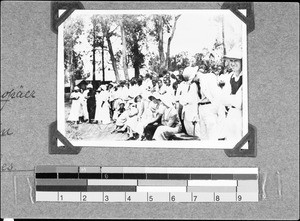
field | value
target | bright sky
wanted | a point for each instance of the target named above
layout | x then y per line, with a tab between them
198	30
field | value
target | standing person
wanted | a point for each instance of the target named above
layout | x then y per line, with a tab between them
111	98
84	104
189	100
75	107
102	107
209	109
91	103
98	105
234	101
170	123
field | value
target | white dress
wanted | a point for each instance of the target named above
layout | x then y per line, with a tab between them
233	124
102	113
75	107
84	104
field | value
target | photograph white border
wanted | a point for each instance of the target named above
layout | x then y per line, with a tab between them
148	144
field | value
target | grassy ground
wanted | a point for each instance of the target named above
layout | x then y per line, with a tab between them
91	132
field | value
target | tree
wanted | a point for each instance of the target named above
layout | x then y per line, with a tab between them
135	36
73	28
162	25
124	48
169	41
104	27
108	27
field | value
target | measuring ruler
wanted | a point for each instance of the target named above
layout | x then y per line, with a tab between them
145	184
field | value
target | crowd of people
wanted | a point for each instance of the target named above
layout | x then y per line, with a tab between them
203	102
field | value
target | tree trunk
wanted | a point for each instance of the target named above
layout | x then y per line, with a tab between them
112	58
71	69
169	43
94	59
136	71
124	52
161	43
102	53
223	41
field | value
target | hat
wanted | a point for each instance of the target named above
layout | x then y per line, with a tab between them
189	73
167	100
235	53
155	95
76	88
89	86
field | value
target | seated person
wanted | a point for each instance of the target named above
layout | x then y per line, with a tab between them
151	115
118	112
170	123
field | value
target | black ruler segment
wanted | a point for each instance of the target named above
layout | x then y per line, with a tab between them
222	176
179	176
245	176
200	176
46	175
90	176
112	176
68	175
111	188
149	176
141	176
157	176
58	188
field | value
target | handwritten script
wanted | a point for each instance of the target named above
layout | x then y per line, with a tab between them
14	94
6	167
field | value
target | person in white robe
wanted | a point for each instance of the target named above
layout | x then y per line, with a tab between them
75	107
189	100
102	106
233	100
210	110
84	104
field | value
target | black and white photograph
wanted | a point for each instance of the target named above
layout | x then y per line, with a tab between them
149	78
